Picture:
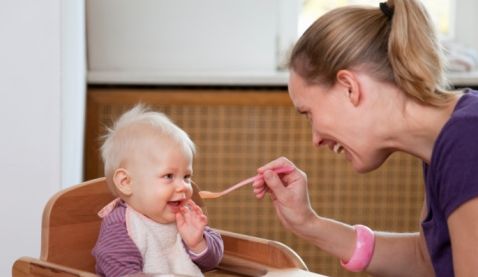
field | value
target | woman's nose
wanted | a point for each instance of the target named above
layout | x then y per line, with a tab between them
316	139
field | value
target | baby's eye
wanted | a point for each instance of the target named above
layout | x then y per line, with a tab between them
168	176
187	178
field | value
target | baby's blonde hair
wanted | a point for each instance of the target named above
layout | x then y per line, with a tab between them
121	139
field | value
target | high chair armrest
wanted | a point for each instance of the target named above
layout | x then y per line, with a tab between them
257	254
31	267
244	255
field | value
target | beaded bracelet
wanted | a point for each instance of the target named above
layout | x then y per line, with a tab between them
363	252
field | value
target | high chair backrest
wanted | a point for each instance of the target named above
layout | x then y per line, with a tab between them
70	223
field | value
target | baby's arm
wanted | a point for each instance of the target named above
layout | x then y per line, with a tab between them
115	252
205	245
214	253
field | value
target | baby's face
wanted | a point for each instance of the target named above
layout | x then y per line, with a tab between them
161	179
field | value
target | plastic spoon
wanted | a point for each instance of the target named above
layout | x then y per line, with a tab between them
204	194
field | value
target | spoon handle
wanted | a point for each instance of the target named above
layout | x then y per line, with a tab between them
278	170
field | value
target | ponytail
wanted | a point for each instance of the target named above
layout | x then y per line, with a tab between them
395	43
415	53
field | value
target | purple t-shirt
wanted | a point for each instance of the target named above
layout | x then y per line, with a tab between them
451	179
117	255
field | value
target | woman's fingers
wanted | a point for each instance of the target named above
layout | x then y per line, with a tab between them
260	193
259	188
262	186
274	184
279	162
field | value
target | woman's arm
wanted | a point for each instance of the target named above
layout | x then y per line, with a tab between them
463	227
403	254
400	254
394	255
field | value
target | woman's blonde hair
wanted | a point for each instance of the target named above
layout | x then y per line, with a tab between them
125	136
401	48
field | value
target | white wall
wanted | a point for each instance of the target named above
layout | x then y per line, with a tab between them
182	35
466	22
31	82
73	90
206	42
163	41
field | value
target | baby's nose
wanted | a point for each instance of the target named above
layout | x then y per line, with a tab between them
183	185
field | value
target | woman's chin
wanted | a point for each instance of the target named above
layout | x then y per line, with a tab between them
372	161
361	168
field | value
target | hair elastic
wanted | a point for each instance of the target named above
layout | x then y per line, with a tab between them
387	10
364	246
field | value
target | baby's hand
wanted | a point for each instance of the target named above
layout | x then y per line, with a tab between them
191	222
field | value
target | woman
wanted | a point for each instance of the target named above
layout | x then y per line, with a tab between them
370	81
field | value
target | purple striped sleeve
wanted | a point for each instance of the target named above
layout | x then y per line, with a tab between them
115	252
215	251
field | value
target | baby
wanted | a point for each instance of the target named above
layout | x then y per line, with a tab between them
153	227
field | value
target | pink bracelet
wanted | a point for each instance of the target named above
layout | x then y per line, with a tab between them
363	252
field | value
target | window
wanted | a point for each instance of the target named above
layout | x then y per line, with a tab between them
459	40
441	11
217	41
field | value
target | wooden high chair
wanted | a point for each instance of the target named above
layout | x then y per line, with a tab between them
70	227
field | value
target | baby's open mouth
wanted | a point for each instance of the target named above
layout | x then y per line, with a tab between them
176	203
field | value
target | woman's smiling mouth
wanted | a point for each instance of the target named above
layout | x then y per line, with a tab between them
338	148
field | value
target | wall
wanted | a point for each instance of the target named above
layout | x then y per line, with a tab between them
161	41
73	90
32	81
206	42
466	21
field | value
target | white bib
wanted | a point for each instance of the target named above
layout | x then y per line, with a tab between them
160	246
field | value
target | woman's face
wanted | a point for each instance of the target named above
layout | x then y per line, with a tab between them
345	126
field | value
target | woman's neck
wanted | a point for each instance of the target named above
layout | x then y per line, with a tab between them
421	127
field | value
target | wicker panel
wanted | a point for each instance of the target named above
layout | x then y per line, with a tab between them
235	132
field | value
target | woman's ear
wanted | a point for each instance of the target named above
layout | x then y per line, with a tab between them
122	181
348	80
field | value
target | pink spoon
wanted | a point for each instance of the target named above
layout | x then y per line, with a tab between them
204	194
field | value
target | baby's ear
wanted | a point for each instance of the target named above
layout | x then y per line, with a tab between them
122	181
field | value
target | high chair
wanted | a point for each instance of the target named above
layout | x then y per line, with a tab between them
70	227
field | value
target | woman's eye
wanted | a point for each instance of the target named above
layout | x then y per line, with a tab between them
306	114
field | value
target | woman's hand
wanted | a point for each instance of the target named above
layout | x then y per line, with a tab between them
288	192
191	222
